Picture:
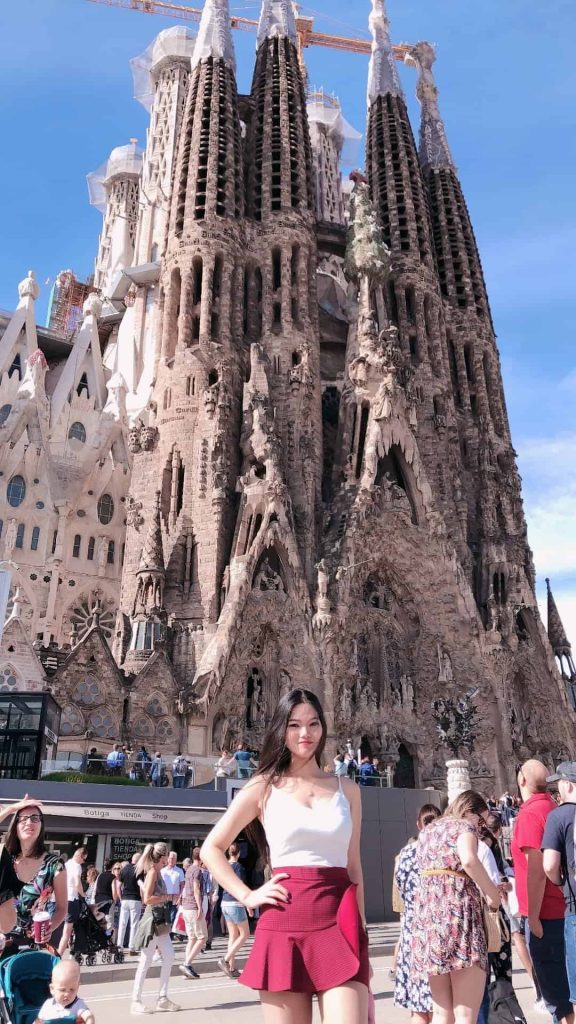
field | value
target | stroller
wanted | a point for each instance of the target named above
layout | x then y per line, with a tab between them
25	985
89	938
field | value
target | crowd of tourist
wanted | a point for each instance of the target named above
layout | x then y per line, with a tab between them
464	905
453	875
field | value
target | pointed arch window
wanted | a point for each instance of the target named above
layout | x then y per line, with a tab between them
83	388
111	552
20	535
91	546
16	365
35	538
77	432
76	546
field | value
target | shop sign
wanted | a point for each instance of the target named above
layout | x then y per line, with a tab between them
122	847
147	815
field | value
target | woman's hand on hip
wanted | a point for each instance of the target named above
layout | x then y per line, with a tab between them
270	893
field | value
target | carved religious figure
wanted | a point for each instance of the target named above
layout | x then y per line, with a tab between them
445	671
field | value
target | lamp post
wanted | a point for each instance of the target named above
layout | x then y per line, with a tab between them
5	584
455	719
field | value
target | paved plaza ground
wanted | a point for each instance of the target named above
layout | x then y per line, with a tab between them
213	999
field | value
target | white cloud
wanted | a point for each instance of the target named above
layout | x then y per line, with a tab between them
549	486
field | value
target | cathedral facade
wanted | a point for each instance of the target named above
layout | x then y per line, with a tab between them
275	450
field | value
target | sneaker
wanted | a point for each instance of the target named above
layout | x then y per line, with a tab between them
133	952
235	973
188	971
138	1007
225	968
166	1005
156	959
540	1007
207	946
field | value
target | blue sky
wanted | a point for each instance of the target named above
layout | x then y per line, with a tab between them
507	84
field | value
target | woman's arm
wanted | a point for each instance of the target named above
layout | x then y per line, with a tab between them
7	810
467	846
245	807
60	899
354	798
148	897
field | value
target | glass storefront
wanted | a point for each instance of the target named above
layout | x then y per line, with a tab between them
29	725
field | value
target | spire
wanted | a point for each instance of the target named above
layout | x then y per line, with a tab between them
383	75
434	148
215	35
152	557
277	20
556	632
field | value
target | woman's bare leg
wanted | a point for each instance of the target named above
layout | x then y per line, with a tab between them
232	936
286	1007
418	1017
243	933
468	987
441	989
347	1004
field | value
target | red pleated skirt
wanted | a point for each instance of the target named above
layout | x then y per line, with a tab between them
313	943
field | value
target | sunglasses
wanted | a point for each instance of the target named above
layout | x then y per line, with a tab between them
34	819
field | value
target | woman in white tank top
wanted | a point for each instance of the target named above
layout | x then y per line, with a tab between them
311	936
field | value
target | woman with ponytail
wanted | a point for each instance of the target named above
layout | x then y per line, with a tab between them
153	931
311	935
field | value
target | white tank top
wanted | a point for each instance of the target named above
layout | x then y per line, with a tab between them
301	836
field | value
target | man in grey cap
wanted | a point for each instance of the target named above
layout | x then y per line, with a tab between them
558	848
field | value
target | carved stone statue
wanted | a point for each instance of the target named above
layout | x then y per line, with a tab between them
10	538
445	671
268	579
254	699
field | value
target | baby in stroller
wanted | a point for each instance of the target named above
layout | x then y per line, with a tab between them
64	1001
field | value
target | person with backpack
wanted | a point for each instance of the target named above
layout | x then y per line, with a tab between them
367	772
559	861
179	771
143	763
115	760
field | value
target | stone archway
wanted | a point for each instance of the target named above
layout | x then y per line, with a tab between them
405	770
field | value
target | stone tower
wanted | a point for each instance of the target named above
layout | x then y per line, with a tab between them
189	447
324	490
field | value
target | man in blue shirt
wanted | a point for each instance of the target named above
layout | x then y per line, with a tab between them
367	772
244	759
116	759
558	859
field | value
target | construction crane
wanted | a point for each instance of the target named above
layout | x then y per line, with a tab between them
305	25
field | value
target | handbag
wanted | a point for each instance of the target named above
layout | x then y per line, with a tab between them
179	926
492	928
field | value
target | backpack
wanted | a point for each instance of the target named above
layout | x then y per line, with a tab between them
504	1006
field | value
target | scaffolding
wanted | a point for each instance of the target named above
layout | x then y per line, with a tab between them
67	298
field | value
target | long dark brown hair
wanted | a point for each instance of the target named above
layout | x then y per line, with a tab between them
12	841
275	757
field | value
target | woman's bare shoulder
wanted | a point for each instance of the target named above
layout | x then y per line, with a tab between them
351	789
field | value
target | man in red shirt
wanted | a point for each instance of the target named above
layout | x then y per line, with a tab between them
541	902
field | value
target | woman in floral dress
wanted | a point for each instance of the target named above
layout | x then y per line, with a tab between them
448	937
40	873
411	990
